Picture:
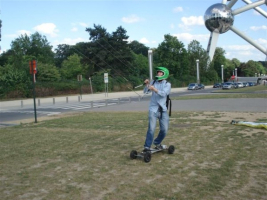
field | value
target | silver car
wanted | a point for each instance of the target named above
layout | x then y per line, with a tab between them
228	86
193	86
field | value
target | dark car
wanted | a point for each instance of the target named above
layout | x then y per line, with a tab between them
217	85
201	86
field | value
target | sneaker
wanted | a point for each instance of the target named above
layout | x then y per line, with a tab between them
158	146
146	149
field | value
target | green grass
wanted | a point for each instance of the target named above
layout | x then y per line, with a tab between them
87	157
247	92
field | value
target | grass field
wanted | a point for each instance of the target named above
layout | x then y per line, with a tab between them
86	156
259	91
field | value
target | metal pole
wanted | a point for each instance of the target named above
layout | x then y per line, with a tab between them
91	85
198	81
222	74
33	84
150	62
236	74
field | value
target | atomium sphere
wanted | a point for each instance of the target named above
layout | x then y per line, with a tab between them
219	17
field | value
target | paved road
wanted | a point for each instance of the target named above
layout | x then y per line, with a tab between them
228	105
13	111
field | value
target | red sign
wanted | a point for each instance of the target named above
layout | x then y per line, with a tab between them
32	65
233	77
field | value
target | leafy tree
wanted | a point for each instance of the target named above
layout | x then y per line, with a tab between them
172	54
228	68
47	73
62	52
26	48
138	48
197	52
140	63
13	80
110	51
219	60
71	67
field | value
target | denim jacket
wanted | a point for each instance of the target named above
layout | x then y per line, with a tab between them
158	100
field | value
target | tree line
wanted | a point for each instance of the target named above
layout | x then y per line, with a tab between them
125	62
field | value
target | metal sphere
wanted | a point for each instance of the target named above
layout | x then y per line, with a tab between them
219	17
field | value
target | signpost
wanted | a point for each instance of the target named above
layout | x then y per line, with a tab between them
33	71
106	83
79	79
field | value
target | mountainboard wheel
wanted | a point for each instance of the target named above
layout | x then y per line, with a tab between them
171	149
147	157
133	154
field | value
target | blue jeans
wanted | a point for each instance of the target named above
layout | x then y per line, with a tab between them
163	125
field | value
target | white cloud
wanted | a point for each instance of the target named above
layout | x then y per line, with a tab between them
178	9
47	28
190	21
262	41
256	28
83	24
18	33
193	20
74	29
71	41
239	47
144	41
68	41
131	19
172	26
187	37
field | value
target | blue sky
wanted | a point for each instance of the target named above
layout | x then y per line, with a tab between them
147	21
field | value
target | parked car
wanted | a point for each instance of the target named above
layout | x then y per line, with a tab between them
245	84
217	85
240	85
251	83
228	85
235	85
193	86
201	86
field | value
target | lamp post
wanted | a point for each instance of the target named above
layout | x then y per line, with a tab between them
150	62
255	74
236	74
198	81
222	73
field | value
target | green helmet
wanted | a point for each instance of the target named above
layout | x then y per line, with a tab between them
165	73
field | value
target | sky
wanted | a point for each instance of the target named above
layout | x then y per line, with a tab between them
146	21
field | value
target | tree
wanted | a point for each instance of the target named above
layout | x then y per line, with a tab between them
172	54
26	48
47	73
61	53
219	60
138	48
110	51
71	67
197	52
16	81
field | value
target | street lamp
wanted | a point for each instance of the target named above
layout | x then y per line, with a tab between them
150	62
198	81
236	74
222	74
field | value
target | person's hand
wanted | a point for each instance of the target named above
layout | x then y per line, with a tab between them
146	82
152	88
